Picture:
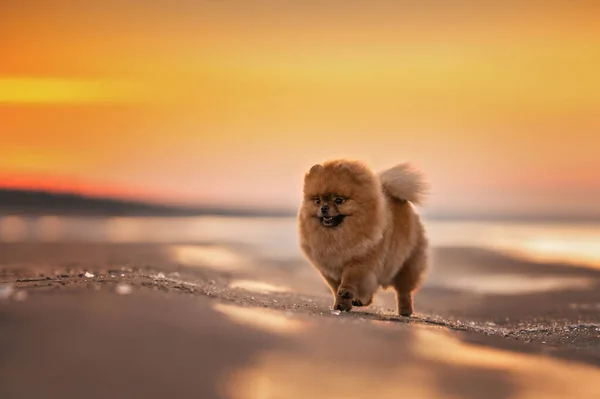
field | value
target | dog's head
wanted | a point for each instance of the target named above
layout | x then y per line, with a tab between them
340	192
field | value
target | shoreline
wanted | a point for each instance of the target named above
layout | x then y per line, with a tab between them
487	303
139	320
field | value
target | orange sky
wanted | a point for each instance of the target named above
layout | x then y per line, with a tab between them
228	102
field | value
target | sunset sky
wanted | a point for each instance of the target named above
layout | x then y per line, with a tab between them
229	102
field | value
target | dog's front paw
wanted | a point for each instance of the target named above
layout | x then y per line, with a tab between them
366	301
345	305
344	300
345	294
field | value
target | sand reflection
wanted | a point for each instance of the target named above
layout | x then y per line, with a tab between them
421	372
216	257
260	287
514	284
539	242
536	376
276	238
293	376
48	228
13	229
579	251
261	318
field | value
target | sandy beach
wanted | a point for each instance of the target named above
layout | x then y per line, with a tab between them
131	320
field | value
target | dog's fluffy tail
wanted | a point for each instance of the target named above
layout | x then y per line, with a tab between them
405	183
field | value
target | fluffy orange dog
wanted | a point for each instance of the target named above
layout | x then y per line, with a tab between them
359	229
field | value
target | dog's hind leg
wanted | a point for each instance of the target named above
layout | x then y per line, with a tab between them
408	279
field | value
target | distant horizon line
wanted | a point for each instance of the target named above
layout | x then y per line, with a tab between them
31	202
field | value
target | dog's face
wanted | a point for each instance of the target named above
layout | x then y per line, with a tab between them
340	192
330	208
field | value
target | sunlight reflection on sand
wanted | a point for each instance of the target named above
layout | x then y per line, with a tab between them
48	228
545	242
295	376
13	228
416	374
257	286
580	251
265	319
276	238
513	284
538	376
216	257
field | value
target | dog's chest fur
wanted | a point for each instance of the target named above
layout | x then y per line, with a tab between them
332	258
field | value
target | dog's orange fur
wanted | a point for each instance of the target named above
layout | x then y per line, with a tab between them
380	243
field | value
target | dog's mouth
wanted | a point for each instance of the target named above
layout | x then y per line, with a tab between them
332	221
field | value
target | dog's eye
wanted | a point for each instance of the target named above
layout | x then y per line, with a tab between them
339	200
317	200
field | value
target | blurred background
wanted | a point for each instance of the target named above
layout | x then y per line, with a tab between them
157	148
165	111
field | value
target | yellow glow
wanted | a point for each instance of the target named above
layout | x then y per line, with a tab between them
497	103
62	90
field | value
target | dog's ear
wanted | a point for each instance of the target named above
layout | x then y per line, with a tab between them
351	168
357	171
314	170
346	167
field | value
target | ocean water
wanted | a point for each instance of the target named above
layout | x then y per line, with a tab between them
277	238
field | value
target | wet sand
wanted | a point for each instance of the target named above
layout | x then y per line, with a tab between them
99	320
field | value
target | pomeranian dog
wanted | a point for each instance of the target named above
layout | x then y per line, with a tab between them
360	230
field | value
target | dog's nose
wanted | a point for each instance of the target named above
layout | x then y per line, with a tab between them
325	209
